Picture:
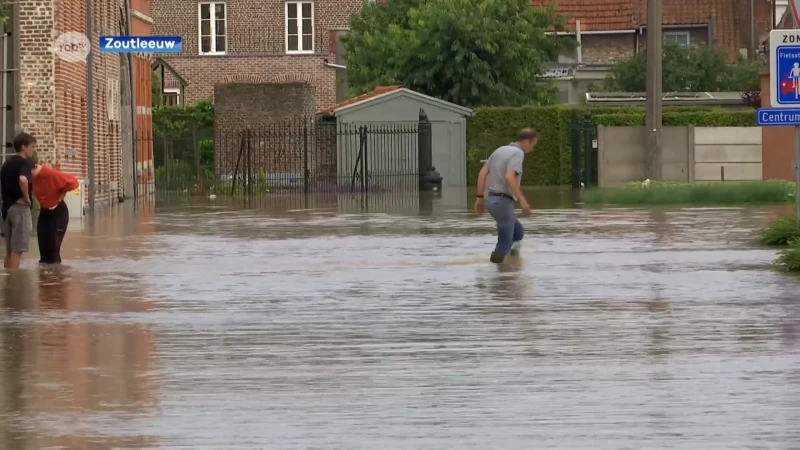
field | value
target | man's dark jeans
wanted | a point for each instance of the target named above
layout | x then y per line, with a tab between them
509	230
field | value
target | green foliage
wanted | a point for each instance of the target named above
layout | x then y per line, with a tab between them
179	119
718	117
669	193
178	132
688	69
780	232
157	97
789	258
550	163
469	52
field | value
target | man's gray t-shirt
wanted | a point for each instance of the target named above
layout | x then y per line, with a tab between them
504	158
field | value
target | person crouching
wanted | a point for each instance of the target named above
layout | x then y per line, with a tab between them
50	188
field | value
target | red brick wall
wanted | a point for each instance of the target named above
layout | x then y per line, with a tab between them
141	25
777	144
69	149
203	73
255	45
607	48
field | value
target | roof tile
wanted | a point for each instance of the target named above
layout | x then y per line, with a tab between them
596	15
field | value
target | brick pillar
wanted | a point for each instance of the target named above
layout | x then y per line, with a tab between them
37	72
777	144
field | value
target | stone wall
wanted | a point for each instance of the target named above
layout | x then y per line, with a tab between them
689	154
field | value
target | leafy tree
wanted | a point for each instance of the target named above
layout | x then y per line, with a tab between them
155	89
469	52
685	69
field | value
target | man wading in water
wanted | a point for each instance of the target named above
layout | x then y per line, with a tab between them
499	179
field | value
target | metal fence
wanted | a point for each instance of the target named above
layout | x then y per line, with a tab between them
294	156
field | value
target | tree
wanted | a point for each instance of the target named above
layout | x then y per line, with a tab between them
157	97
696	69
469	52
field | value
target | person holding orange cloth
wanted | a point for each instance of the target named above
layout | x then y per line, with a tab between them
50	188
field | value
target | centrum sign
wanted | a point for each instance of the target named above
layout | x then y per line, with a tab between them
778	117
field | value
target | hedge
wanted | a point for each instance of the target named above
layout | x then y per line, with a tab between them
550	163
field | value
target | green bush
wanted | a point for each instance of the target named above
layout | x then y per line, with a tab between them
667	193
789	258
551	162
780	232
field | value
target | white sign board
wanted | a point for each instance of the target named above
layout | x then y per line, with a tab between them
784	68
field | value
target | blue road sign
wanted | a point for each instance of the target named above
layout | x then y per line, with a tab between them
778	117
787	65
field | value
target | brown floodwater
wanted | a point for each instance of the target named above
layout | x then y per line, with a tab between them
378	323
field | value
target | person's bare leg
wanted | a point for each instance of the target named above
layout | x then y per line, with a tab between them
13	260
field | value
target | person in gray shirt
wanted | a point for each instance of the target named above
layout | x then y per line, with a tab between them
499	180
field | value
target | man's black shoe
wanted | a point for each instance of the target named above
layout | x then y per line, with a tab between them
497	258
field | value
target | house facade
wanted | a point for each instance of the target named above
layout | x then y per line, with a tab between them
259	42
46	90
613	30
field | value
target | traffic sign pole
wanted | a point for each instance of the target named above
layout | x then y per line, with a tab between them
784	75
797	171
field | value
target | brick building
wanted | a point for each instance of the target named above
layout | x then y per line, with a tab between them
256	42
48	95
614	30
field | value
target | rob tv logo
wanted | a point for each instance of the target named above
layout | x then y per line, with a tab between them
72	46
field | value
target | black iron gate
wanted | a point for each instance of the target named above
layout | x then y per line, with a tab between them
301	155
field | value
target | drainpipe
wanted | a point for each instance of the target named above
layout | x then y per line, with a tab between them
710	32
132	97
578	38
90	105
638	41
752	32
335	66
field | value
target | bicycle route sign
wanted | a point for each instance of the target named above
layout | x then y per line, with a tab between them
784	70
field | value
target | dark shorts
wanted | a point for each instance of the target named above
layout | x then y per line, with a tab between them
18	227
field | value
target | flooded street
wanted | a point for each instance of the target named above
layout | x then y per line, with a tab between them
345	323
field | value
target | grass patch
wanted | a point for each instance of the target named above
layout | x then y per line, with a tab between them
780	232
789	258
669	193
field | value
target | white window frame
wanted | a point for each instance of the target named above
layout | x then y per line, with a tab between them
212	6
676	35
176	91
299	19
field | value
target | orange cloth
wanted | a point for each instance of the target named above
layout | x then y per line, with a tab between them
49	184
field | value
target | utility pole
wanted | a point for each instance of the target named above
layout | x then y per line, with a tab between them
655	55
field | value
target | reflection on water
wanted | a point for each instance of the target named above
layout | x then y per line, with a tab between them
350	323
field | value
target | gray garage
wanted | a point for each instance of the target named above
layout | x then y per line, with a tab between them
394	107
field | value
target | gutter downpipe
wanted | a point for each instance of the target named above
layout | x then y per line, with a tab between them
90	105
569	33
578	38
752	53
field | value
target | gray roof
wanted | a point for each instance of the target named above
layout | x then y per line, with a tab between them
422	98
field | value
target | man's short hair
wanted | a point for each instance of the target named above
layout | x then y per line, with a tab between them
527	134
23	140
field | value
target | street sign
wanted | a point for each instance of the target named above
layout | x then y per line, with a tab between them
784	70
778	117
795	4
784	89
